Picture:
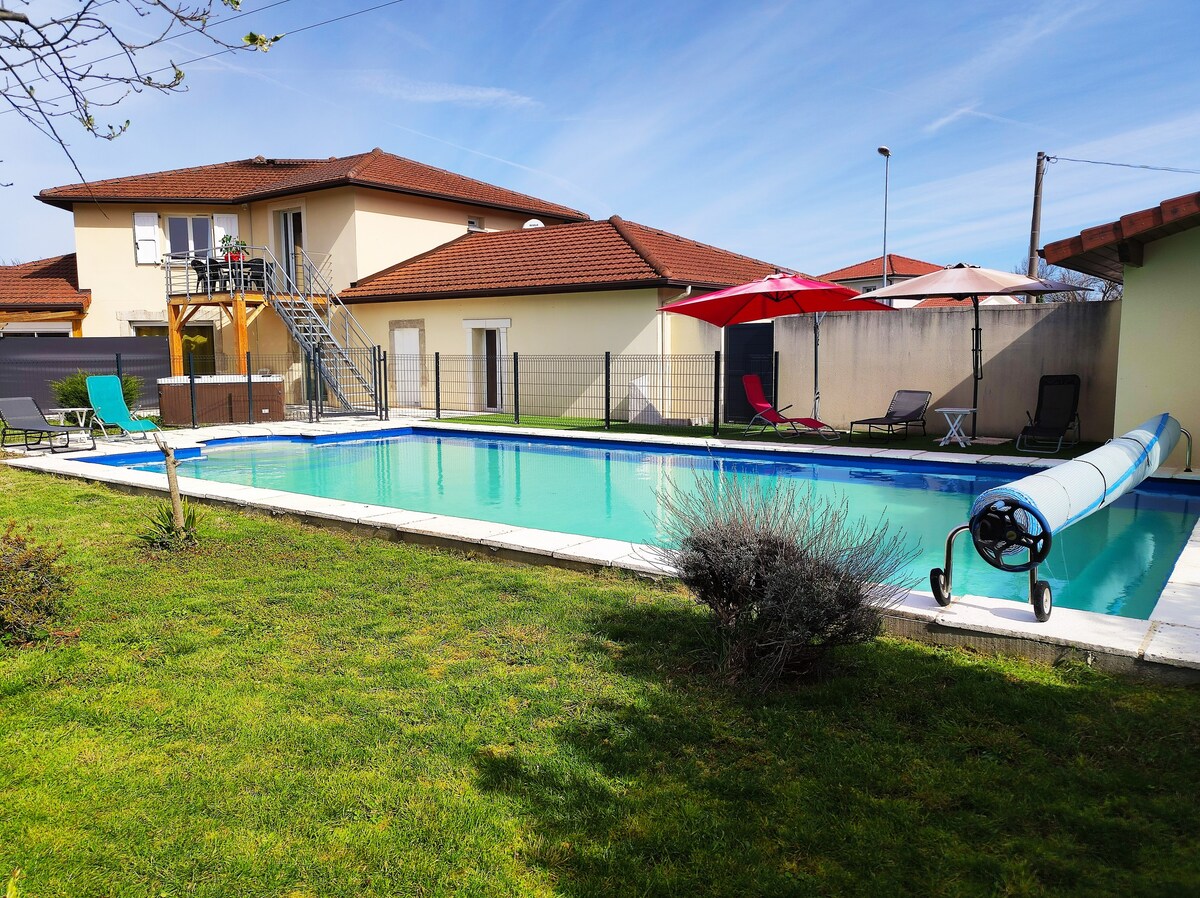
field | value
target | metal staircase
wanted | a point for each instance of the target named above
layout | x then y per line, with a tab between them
345	359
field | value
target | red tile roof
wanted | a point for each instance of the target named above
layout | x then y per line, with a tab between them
592	255
47	285
1104	250
899	266
946	302
258	178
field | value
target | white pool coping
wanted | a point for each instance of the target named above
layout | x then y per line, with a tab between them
1170	638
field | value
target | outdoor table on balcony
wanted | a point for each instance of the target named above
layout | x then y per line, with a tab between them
954	417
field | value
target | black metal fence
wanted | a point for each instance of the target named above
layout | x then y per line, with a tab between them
679	391
601	390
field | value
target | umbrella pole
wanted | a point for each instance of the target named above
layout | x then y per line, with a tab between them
976	364
817	364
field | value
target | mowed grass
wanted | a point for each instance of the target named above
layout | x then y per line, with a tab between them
293	712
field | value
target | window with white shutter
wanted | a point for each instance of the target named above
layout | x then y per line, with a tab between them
224	226
145	238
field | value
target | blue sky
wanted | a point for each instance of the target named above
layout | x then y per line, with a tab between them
749	125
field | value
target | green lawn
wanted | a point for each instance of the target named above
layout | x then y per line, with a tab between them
293	712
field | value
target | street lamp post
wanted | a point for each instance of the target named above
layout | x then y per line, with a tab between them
887	163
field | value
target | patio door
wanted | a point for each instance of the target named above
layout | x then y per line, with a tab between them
749	349
491	366
289	242
406	366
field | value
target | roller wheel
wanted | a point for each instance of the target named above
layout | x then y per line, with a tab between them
997	533
1043	601
937	582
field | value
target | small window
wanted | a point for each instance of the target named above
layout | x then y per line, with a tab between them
475	223
189	237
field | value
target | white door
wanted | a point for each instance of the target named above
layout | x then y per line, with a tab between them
405	365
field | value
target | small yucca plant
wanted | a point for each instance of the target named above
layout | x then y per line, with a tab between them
165	533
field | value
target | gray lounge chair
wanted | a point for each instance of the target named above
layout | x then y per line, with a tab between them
22	415
1057	413
906	410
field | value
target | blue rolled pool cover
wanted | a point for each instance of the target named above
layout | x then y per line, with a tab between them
1056	498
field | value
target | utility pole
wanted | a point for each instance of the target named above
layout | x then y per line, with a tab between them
1035	226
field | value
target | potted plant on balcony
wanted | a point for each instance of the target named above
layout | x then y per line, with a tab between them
233	248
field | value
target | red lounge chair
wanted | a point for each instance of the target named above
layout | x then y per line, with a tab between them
768	416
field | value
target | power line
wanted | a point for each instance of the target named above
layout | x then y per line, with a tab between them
1182	171
173	67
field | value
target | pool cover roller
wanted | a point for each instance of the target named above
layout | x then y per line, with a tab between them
1025	514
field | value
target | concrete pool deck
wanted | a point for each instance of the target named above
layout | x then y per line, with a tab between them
1166	646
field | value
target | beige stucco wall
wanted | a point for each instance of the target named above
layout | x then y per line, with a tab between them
391	227
622	322
867	356
1160	327
553	324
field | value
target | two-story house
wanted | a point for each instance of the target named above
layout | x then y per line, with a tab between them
138	237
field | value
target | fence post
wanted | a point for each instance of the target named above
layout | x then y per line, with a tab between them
516	392
607	390
716	393
192	385
120	374
437	385
775	380
309	388
375	377
383	376
249	391
317	371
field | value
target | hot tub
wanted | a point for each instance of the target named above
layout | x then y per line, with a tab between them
221	399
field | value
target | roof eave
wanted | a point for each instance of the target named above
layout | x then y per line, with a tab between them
538	290
68	203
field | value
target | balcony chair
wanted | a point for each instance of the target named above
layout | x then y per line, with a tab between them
210	275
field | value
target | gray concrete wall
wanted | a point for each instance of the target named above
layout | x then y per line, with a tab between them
867	356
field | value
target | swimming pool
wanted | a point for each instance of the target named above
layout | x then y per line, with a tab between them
1114	562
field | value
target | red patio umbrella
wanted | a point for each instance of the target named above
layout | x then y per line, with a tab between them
774	296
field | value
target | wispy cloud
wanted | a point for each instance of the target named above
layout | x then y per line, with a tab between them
971	110
473	95
954	116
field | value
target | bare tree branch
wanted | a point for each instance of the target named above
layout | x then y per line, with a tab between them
53	69
1098	289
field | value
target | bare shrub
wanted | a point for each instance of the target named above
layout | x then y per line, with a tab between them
31	585
787	575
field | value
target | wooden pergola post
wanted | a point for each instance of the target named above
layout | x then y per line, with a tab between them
175	338
241	334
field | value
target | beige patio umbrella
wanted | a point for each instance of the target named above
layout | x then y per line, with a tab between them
963	281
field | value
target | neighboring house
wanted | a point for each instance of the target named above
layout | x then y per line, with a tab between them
583	288
949	302
867	276
1155	254
349	216
42	299
574	288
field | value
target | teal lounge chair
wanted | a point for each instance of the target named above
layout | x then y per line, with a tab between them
109	408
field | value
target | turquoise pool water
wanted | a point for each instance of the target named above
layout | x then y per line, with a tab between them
1114	562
